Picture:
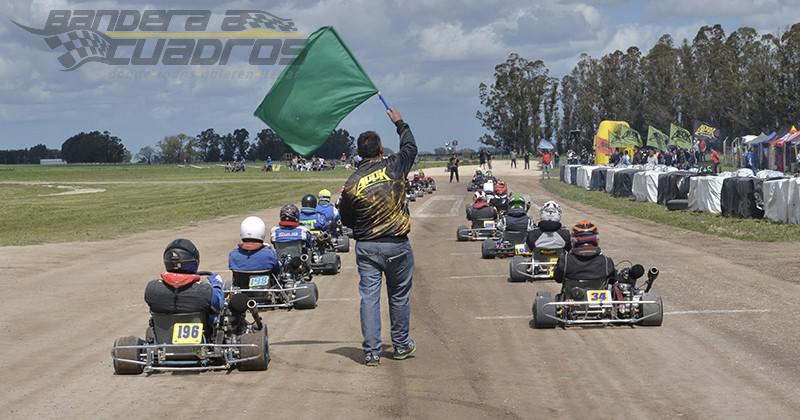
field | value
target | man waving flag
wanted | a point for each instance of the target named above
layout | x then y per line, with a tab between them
321	86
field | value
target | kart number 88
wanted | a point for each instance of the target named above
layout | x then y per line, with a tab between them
187	333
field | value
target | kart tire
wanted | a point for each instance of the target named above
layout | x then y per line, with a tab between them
126	368
307	296
343	244
412	197
516	269
657	312
540	312
462	233
259	338
420	193
488	249
330	263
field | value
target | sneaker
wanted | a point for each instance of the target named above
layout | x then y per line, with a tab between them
372	359
401	353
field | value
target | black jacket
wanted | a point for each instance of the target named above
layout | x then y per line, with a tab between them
585	263
516	220
373	202
164	299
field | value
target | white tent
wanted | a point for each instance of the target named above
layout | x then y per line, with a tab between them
585	176
793	201
645	186
567	174
776	195
705	193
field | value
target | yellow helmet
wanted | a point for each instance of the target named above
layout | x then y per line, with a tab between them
323	194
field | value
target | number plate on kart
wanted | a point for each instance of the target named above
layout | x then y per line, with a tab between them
187	333
598	296
520	249
489	224
259	281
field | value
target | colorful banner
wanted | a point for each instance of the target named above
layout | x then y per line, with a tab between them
680	137
706	132
656	138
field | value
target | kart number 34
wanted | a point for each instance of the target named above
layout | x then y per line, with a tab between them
187	333
489	224
520	249
598	296
259	281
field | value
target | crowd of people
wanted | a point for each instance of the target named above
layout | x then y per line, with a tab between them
315	163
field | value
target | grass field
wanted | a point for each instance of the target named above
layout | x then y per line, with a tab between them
137	198
745	229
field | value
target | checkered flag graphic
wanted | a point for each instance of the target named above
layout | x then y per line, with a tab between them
80	45
259	19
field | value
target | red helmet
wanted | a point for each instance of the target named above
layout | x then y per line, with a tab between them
500	188
585	233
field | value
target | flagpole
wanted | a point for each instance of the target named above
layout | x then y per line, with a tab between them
383	101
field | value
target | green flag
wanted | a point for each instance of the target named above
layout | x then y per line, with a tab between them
313	94
656	138
680	137
614	140
630	137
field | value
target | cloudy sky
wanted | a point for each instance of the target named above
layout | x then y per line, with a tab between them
426	56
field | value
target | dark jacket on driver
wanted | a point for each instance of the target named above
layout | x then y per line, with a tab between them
500	203
549	235
585	263
516	220
481	210
373	201
176	293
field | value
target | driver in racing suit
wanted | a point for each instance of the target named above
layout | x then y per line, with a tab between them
252	255
500	199
290	231
310	217
516	219
478	179
585	261
325	208
548	233
180	289
480	209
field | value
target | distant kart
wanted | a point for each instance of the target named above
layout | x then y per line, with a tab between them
193	342
595	302
537	265
291	289
481	229
323	258
341	238
508	245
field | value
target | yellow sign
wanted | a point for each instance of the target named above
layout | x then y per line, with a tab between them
598	296
187	333
371	179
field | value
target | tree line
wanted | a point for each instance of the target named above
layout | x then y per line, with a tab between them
743	82
210	146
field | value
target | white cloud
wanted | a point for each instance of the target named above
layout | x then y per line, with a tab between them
449	41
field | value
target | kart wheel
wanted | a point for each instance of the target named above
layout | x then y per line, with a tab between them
261	350
307	296
541	310
412	197
488	249
657	312
462	233
126	368
420	193
330	263
516	269
343	244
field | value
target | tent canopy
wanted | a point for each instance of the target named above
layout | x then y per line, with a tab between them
546	145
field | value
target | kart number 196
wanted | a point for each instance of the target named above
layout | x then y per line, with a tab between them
488	224
519	249
259	281
187	333
598	296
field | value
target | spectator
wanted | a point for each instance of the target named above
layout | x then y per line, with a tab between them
482	159
513	155
715	161
452	166
547	159
527	158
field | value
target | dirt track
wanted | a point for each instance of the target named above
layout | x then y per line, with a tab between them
64	304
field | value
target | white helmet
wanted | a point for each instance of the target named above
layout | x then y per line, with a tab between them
479	195
550	211
488	187
253	228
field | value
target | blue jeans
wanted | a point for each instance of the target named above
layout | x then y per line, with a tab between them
396	261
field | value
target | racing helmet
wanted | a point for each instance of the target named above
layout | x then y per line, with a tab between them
488	173
290	213
488	188
501	188
517	202
309	201
585	233
324	195
253	228
550	212
181	256
479	195
478	172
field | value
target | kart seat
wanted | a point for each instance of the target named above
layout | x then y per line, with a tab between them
593	284
241	279
292	248
163	325
479	223
515	237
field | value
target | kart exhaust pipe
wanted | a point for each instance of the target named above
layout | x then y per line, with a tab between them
304	257
252	304
652	275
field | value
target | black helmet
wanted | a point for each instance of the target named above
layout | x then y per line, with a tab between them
181	256
309	201
290	213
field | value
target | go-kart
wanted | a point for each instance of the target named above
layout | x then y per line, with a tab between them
292	288
323	258
583	302
481	229
539	264
430	185
340	236
194	342
510	244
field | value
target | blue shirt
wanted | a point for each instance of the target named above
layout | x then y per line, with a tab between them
329	211
313	220
262	260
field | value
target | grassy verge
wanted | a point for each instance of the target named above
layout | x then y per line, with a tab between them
744	229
